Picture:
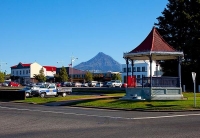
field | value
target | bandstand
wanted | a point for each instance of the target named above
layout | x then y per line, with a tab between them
154	47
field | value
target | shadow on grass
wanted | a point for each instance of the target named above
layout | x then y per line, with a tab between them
153	106
75	102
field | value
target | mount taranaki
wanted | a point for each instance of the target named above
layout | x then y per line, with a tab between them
100	62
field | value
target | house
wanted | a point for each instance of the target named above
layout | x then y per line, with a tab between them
141	69
24	72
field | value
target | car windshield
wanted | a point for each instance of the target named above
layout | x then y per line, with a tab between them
51	86
42	86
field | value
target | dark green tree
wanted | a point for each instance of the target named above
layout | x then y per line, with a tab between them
88	76
63	74
117	77
180	27
2	77
57	78
40	77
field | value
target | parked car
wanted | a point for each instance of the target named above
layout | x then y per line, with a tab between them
13	84
5	84
99	84
114	83
92	83
84	85
58	84
27	91
124	85
105	84
76	84
66	84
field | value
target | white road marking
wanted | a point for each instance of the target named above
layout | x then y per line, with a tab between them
112	117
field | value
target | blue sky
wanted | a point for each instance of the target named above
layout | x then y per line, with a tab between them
47	31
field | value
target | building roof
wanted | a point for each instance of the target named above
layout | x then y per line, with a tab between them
22	64
153	42
50	68
153	45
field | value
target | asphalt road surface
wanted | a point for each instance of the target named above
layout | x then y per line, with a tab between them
18	120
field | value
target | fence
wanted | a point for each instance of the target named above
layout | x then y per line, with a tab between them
160	81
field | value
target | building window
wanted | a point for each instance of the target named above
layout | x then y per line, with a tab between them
124	69
23	71
134	69
138	76
13	72
20	72
26	71
17	72
138	69
129	69
143	69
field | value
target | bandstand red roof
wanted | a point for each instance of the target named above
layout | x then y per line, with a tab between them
155	46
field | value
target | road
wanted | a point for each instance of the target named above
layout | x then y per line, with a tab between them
19	120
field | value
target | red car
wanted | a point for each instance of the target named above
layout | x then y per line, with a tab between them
58	84
13	84
124	85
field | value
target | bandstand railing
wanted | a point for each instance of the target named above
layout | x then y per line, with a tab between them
159	81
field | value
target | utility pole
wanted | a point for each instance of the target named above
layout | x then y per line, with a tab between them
72	60
1	63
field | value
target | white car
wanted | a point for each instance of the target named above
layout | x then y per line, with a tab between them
92	83
76	84
114	83
84	85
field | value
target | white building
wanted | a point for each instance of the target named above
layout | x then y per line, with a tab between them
141	68
25	72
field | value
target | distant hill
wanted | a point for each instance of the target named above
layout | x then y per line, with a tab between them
100	63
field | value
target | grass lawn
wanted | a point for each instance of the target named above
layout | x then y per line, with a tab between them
39	100
152	105
124	104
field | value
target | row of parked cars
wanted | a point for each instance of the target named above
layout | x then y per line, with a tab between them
112	83
45	89
10	84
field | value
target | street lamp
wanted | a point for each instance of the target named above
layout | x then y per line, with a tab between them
72	60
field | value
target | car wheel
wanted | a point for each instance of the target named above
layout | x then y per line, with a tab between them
42	95
27	94
64	94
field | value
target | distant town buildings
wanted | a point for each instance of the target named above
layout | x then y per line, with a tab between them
24	73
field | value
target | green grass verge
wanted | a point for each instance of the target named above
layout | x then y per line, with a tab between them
187	104
39	100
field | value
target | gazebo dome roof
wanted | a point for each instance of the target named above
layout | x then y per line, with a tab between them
155	46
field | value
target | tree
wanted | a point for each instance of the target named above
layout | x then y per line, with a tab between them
2	77
180	27
63	74
88	76
40	77
117	77
57	78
